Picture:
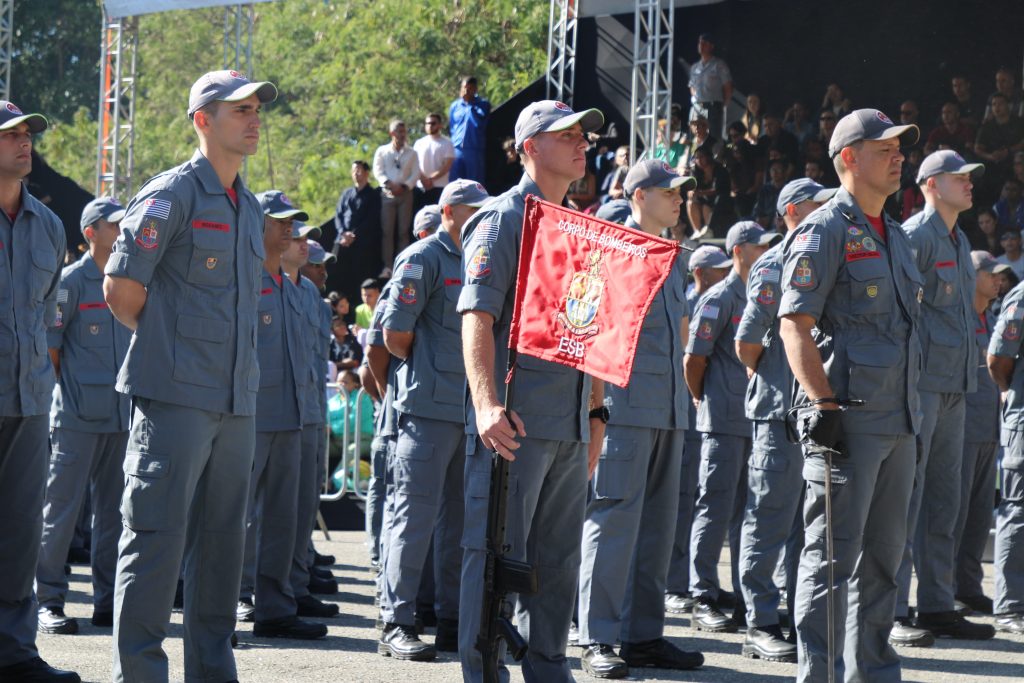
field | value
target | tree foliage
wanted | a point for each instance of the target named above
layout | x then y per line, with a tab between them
343	68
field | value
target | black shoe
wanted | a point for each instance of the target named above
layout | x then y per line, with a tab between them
982	604
952	625
659	654
600	661
322	560
52	620
707	617
739	615
308	606
321	573
905	634
179	596
234	640
427	616
728	599
36	670
1010	623
766	642
320	586
103	619
400	641
79	556
447	638
67	570
245	611
679	603
289	627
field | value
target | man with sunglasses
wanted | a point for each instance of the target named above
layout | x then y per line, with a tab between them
436	154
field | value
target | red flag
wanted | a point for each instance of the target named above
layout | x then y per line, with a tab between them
583	288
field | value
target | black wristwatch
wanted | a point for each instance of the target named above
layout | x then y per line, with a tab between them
600	413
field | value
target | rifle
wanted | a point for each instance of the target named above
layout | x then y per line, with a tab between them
501	575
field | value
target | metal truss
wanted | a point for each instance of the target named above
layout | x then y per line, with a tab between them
115	156
652	74
561	73
6	38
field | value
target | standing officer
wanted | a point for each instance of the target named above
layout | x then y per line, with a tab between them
710	86
851	273
89	422
1003	351
716	379
708	265
185	276
422	329
550	410
32	249
771	520
628	527
943	256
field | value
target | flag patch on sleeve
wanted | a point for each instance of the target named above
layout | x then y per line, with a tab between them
157	208
412	271
808	241
62	296
488	230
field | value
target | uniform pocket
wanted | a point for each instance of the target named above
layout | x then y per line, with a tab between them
212	261
146	503
870	286
478	490
450	378
614	469
873	379
767	473
452	319
648	387
44	264
539	385
62	482
944	293
411	458
200	356
97	399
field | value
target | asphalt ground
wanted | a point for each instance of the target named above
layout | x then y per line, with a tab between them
349	653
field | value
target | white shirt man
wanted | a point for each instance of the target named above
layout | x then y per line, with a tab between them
436	154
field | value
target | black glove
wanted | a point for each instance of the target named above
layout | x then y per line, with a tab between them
823	428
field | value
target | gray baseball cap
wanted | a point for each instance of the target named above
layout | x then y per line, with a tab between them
427	219
11	115
801	190
227	86
655	173
465	192
946	161
301	229
317	255
869	124
102	207
708	256
277	205
748	232
548	116
614	211
983	260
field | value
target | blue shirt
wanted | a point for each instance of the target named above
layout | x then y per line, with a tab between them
316	340
467	123
92	346
981	421
284	361
387	419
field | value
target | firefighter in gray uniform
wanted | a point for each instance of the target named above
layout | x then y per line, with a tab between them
949	371
627	533
772	521
32	248
1008	373
850	271
717	380
423	330
89	422
550	409
185	276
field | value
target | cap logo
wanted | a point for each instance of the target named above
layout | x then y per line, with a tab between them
235	74
284	198
480	187
561	106
13	109
883	118
958	157
668	168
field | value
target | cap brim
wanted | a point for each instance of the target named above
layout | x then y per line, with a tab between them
306	231
768	238
970	168
684	181
37	123
264	90
724	264
908	134
328	258
824	195
116	217
589	119
290	213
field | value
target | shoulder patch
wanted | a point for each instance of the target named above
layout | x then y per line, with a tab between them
803	274
488	229
62	296
769	274
808	241
158	208
480	262
766	296
408	293
709	311
704	330
411	271
149	235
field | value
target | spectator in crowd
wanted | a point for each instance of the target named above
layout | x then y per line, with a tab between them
1018	166
1012	256
909	113
835	101
396	169
467	124
910	198
1010	209
1000	136
970	112
795	122
666	149
339	304
985	235
512	169
741	160
1006	85
346	353
768	196
700	137
753	117
357	225
582	193
814	150
778	143
707	206
710	85
812	170
826	124
612	186
369	291
951	133
435	154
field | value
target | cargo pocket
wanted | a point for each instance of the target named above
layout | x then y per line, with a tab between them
648	388
411	459
44	265
97	399
613	476
212	261
870	287
944	350
478	489
200	356
146	503
540	385
62	481
872	377
450	379
945	288
767	473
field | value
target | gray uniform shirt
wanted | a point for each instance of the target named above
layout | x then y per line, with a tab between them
201	258
770	390
947	310
712	333
92	346
708	79
981	422
387	420
431	382
316	341
32	249
551	399
1005	343
656	396
283	359
864	293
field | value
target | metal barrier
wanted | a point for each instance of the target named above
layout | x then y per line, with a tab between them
348	461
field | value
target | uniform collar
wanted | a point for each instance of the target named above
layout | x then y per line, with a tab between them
931	216
848	207
90	268
447	242
736	284
630	223
527	186
208	177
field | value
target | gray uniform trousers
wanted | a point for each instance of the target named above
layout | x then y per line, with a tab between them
934	505
774	478
1009	547
627	535
270	524
81	460
689	469
307	505
977	497
428	487
388	512
24	448
186	486
870	490
375	495
546	499
721	499
321	477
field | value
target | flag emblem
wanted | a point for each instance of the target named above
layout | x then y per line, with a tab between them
480	263
584	299
160	208
211	263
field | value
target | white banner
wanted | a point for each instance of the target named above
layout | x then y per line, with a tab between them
130	8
